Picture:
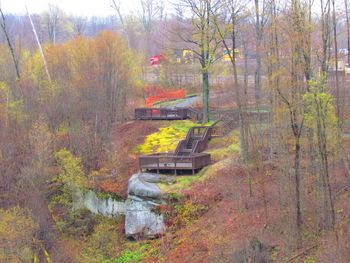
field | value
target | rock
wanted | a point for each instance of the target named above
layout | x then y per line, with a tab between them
143	197
156	178
143	185
106	207
141	220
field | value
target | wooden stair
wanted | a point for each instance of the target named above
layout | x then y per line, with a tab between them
195	142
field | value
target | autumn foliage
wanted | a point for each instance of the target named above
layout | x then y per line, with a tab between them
176	94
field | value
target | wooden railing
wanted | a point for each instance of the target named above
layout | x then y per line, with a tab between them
172	162
202	144
228	120
195	114
161	114
202	135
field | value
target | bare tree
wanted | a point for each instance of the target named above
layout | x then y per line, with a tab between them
260	20
9	44
52	17
347	28
149	10
232	10
293	97
117	7
201	36
335	41
321	108
79	24
40	48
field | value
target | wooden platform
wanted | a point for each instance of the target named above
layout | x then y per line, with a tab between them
172	162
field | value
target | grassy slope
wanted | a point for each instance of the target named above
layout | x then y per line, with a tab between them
218	211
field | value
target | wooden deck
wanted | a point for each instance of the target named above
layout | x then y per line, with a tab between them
167	114
172	162
187	155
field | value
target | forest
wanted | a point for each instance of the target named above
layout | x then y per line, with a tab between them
267	82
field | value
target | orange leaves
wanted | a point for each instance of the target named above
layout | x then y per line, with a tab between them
176	94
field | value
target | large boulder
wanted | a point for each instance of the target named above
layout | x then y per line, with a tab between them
144	185
141	220
144	196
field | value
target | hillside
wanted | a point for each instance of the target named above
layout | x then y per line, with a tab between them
230	211
184	131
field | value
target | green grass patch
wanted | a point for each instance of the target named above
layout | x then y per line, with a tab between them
224	147
223	153
258	110
104	195
185	182
132	255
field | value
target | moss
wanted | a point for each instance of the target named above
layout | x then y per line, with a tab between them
224	152
104	195
234	147
224	147
186	182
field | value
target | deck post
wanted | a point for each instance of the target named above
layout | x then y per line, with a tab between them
192	165
158	166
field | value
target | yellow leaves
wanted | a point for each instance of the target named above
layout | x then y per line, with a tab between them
35	68
17	230
320	113
71	169
319	104
9	107
165	140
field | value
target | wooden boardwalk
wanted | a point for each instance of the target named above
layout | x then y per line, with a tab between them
167	114
187	155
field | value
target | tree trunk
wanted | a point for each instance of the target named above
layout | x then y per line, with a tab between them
205	79
336	65
297	185
14	59
347	28
258	29
40	48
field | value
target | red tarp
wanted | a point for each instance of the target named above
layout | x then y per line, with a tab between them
157	59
